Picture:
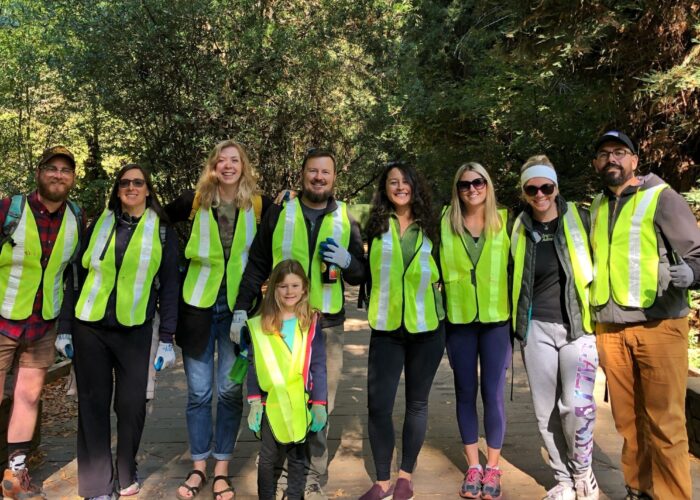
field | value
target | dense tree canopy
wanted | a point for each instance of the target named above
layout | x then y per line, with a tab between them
436	82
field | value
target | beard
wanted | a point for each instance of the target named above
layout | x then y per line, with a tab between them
53	191
614	175
315	197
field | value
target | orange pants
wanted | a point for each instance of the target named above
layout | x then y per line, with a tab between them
646	366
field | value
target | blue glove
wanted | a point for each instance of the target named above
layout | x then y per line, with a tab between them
332	252
239	318
255	415
64	345
165	356
681	275
319	417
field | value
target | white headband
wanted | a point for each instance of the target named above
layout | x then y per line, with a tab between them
538	171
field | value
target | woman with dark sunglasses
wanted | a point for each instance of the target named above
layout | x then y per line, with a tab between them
129	264
474	257
552	273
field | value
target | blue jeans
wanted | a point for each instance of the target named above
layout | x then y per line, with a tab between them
200	377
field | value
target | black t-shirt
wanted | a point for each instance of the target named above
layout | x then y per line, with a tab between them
548	303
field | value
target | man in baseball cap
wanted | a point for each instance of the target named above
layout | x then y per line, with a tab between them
646	254
33	226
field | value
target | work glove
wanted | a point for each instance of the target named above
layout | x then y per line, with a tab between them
165	356
64	345
332	252
319	417
681	275
239	318
255	415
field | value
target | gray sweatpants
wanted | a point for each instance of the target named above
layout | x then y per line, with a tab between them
562	373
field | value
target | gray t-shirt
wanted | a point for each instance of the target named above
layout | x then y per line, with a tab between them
226	213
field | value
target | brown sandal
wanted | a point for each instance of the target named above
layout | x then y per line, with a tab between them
194	490
230	488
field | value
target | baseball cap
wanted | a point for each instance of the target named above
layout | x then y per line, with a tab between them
615	136
54	151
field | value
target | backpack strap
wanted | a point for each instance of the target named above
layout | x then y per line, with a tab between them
257	207
195	206
14	214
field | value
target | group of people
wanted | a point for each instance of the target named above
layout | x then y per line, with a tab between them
576	287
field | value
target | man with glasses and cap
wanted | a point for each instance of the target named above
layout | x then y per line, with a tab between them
646	253
40	238
317	230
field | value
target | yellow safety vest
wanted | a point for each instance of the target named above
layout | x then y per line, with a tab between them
134	279
579	255
290	240
399	296
475	293
627	261
21	272
206	255
282	374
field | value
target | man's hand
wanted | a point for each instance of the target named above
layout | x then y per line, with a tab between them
165	356
681	275
64	345
239	318
332	252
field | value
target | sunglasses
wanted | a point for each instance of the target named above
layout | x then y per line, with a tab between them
546	189
478	183
137	183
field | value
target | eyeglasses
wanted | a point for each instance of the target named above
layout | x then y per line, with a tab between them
53	169
546	189
137	183
618	154
478	183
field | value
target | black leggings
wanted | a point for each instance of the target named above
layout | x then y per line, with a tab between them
390	353
270	453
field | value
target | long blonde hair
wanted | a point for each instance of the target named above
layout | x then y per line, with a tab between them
456	210
208	184
271	312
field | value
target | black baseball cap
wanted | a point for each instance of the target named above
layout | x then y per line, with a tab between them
615	136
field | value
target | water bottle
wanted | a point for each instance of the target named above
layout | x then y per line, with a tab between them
239	368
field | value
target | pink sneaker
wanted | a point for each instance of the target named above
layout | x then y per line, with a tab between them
471	486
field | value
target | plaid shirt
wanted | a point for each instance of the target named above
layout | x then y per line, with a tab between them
48	224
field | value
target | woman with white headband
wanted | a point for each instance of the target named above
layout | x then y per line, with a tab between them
552	274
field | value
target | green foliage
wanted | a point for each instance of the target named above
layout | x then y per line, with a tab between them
436	82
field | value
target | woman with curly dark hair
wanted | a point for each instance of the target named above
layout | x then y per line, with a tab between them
406	316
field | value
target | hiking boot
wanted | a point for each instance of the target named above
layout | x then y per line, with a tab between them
491	484
633	494
586	486
403	489
314	492
471	486
17	485
562	491
376	493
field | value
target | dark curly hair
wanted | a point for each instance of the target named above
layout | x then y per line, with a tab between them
421	204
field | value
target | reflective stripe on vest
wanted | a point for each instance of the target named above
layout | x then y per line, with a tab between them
479	294
399	296
627	262
135	277
20	267
206	255
579	256
281	375
290	240
581	263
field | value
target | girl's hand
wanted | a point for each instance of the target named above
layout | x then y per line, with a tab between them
255	415
319	417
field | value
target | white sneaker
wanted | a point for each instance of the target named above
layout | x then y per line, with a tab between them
562	491
586	486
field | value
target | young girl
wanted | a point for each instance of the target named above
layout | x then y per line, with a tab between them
287	387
